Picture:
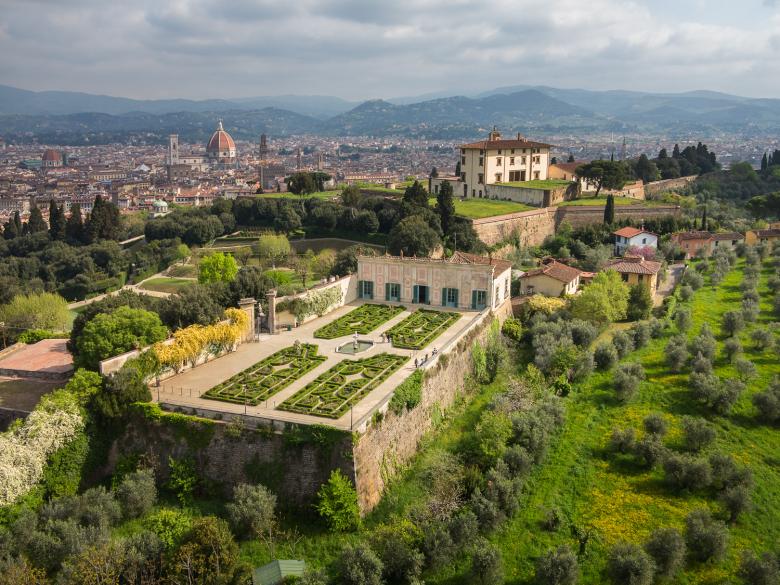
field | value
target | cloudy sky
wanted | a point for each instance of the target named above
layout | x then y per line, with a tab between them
360	49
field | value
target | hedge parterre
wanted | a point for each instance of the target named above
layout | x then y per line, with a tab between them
364	320
333	393
268	376
421	328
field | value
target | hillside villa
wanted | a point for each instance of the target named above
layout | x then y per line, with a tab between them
753	237
629	237
636	270
463	281
552	279
703	243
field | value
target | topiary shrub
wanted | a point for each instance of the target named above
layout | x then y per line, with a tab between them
705	537
628	564
557	567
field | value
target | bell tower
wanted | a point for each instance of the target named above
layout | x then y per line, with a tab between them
173	149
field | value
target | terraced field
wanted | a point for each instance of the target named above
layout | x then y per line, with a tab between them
267	377
332	394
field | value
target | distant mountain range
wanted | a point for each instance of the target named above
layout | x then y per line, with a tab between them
72	117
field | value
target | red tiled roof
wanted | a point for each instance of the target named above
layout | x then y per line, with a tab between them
634	265
630	232
495	144
770	233
555	270
728	236
466	258
693	236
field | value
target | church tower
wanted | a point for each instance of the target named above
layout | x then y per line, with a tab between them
173	149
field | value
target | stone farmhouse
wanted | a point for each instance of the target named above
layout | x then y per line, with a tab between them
552	279
628	237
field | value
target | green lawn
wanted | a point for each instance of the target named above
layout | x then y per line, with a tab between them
538	184
166	285
183	271
479	208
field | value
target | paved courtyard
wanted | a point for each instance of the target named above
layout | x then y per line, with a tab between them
186	389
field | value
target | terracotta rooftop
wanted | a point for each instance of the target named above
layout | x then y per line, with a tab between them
466	258
728	236
630	232
634	265
770	233
693	235
569	167
555	270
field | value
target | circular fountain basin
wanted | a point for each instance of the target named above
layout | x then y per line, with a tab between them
353	347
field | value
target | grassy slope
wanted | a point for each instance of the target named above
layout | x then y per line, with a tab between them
167	285
594	490
618	501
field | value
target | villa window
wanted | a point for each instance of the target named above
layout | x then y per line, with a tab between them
480	179
498	160
536	175
463	151
499	177
511	160
463	177
478	299
499	151
463	160
512	151
392	291
481	161
366	289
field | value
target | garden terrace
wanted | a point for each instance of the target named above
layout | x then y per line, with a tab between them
363	320
421	328
267	377
331	394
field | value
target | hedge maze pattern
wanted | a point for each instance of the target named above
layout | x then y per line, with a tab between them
364	319
420	328
333	393
268	376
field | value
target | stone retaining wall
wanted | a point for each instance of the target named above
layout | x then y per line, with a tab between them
579	216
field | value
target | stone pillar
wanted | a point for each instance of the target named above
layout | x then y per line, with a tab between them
271	317
248	306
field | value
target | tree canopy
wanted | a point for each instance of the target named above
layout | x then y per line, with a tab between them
604	300
412	236
217	267
604	174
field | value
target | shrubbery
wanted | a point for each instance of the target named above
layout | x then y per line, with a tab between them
705	537
626	379
667	549
628	564
557	567
337	503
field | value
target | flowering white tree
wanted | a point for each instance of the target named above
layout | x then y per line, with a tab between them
25	449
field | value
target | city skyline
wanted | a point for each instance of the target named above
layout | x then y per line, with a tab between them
356	51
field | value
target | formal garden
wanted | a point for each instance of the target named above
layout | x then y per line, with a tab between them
420	328
333	393
362	320
267	377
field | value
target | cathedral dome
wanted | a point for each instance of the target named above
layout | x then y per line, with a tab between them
221	144
52	155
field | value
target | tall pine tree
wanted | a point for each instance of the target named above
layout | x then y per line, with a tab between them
56	221
10	231
609	210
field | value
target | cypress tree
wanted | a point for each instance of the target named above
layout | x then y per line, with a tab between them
36	222
10	230
56	221
18	223
663	154
571	158
74	227
445	206
609	210
94	225
704	224
676	151
764	163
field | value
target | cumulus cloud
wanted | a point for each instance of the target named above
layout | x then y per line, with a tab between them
362	48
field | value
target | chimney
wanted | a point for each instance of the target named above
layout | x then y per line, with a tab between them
520	136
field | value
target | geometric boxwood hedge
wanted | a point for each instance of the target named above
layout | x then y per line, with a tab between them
333	393
364	320
420	328
267	377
